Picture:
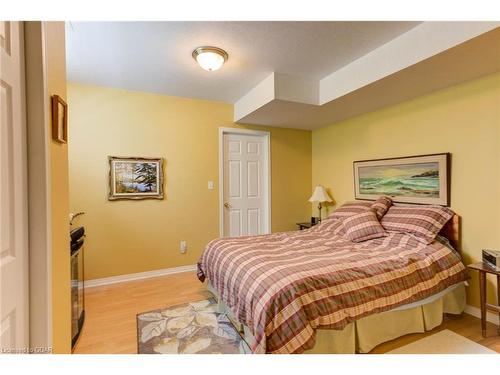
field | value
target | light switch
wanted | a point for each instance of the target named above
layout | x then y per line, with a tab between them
210	185
183	247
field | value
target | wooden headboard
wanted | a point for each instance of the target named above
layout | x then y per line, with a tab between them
451	231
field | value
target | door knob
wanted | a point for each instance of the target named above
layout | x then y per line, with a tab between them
227	205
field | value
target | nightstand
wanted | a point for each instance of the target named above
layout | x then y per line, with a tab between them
483	269
304	225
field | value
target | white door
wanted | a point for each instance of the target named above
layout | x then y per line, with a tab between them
246	184
14	332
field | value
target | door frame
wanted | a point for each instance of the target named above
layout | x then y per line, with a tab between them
267	159
39	185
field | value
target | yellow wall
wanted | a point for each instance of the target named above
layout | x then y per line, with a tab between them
61	295
135	236
463	120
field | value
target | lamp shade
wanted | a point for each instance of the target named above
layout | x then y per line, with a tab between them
320	195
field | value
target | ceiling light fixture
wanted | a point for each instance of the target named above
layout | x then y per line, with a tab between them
210	58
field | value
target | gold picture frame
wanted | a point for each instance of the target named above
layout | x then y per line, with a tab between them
135	178
59	119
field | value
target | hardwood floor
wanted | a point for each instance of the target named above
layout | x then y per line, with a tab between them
110	325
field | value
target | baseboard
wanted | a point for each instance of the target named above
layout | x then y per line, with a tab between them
490	317
138	276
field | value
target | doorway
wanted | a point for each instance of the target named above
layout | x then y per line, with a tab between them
245	182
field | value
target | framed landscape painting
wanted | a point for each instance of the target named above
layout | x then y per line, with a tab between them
413	179
135	178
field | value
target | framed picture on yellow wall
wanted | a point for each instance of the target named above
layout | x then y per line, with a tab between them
135	178
423	179
59	119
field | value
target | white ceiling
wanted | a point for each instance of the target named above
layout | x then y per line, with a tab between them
156	56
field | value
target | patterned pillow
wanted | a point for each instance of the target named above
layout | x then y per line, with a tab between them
363	226
381	205
349	209
423	222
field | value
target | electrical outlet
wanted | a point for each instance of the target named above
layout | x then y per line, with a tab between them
210	185
183	247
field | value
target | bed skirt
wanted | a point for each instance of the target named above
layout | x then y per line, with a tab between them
368	332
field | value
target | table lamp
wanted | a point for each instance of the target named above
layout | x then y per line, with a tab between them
320	195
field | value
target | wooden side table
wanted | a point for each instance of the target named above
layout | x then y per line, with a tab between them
308	224
304	225
483	269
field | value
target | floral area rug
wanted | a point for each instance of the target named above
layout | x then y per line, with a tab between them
195	327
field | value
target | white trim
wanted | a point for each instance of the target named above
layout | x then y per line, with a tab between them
490	317
261	133
138	276
39	185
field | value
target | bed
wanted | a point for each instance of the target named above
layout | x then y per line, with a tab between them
313	291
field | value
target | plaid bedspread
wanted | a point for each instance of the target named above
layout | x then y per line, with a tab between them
284	286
